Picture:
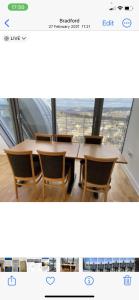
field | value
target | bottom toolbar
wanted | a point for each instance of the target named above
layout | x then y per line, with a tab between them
69	277
38	285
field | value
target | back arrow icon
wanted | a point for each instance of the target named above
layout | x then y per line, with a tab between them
6	23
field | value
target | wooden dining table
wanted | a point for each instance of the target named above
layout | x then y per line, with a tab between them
101	151
73	151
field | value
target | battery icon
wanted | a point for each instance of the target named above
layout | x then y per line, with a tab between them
129	8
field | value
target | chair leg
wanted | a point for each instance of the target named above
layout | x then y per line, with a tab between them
105	195
16	189
80	178
83	196
35	187
64	191
43	190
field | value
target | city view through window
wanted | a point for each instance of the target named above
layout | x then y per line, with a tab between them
115	118
75	116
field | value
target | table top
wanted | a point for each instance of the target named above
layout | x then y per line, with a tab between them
100	151
71	149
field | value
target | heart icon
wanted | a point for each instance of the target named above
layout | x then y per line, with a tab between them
50	280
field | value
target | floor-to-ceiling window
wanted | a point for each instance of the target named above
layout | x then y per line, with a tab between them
35	116
75	116
115	118
6	120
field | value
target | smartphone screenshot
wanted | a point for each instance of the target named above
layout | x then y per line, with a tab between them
69	149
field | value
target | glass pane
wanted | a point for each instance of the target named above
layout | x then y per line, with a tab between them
75	116
6	119
115	118
35	115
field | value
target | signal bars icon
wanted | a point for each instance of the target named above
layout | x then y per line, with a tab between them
115	7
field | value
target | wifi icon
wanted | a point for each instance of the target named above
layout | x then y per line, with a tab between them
120	7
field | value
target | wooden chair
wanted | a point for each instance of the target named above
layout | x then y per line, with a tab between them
63	138
43	137
54	170
25	168
93	139
89	139
97	175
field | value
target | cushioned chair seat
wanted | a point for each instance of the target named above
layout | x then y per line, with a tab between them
83	173
25	167
54	169
96	174
64	138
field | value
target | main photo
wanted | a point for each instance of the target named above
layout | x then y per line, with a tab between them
69	150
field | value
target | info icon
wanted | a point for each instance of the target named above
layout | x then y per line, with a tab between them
89	280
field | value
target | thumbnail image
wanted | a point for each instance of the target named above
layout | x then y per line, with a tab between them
99	133
116	265
130	262
45	264
22	265
101	264
110	265
2	265
49	264
90	264
34	264
136	264
9	264
127	264
69	264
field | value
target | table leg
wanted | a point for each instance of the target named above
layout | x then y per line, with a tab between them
71	163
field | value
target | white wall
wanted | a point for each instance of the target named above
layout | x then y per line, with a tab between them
131	147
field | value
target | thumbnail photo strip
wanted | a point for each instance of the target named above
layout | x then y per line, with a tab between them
70	150
69	264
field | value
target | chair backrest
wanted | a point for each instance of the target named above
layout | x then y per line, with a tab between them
64	138
43	137
93	139
98	171
52	164
21	163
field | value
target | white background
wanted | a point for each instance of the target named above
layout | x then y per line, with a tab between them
69	229
70	64
73	64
